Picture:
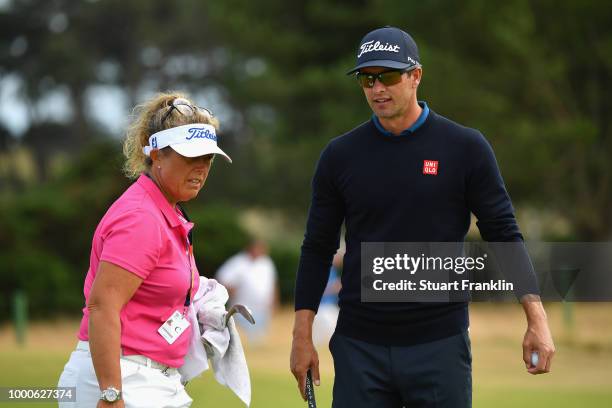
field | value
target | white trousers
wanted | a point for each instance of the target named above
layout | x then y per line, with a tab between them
141	386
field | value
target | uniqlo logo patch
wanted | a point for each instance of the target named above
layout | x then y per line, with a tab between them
430	167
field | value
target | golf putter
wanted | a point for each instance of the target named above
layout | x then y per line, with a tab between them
310	397
243	310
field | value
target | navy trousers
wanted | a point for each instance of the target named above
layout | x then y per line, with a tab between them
437	374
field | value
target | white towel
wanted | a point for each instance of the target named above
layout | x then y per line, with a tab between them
211	339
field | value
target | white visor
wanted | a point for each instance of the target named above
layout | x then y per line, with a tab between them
193	140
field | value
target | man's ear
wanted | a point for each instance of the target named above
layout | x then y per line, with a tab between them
417	74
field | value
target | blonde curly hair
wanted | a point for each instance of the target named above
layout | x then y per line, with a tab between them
148	120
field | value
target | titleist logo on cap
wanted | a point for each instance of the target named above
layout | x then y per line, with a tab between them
387	47
370	46
201	133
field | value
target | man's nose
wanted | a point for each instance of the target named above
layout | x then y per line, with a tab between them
378	86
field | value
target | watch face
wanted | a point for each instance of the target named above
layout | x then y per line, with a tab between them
110	395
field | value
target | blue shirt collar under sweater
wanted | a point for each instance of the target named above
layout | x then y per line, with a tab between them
421	119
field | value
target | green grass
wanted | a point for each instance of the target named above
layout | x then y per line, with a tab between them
41	369
281	391
516	397
24	368
581	376
269	390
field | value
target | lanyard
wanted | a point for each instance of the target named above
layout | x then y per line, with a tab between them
189	243
190	254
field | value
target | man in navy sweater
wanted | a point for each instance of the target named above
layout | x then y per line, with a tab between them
406	175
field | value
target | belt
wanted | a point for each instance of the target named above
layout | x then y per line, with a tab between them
138	359
146	361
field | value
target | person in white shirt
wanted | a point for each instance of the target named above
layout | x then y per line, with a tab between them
325	320
250	278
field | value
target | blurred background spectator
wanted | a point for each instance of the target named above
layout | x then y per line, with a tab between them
250	279
325	320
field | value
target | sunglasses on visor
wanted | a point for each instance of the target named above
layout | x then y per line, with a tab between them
387	78
185	108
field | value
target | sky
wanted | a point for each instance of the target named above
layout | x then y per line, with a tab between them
107	105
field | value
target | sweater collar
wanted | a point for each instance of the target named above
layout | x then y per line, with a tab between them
417	124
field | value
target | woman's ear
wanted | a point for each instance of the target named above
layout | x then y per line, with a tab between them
154	155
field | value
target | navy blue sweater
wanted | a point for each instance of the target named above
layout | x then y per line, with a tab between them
375	184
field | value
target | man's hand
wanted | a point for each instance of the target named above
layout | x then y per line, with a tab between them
303	353
537	337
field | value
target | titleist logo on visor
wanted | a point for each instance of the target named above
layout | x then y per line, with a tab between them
201	133
370	46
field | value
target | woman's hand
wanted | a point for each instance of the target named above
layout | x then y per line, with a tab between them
116	404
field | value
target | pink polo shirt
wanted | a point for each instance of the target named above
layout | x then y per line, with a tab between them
143	234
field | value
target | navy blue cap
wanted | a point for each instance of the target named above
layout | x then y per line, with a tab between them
387	47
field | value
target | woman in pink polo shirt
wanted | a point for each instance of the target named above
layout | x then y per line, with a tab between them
134	333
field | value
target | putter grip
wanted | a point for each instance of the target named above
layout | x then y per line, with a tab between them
310	397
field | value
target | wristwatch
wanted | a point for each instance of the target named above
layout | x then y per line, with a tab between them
111	394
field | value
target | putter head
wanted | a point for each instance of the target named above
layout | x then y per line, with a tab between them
243	310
